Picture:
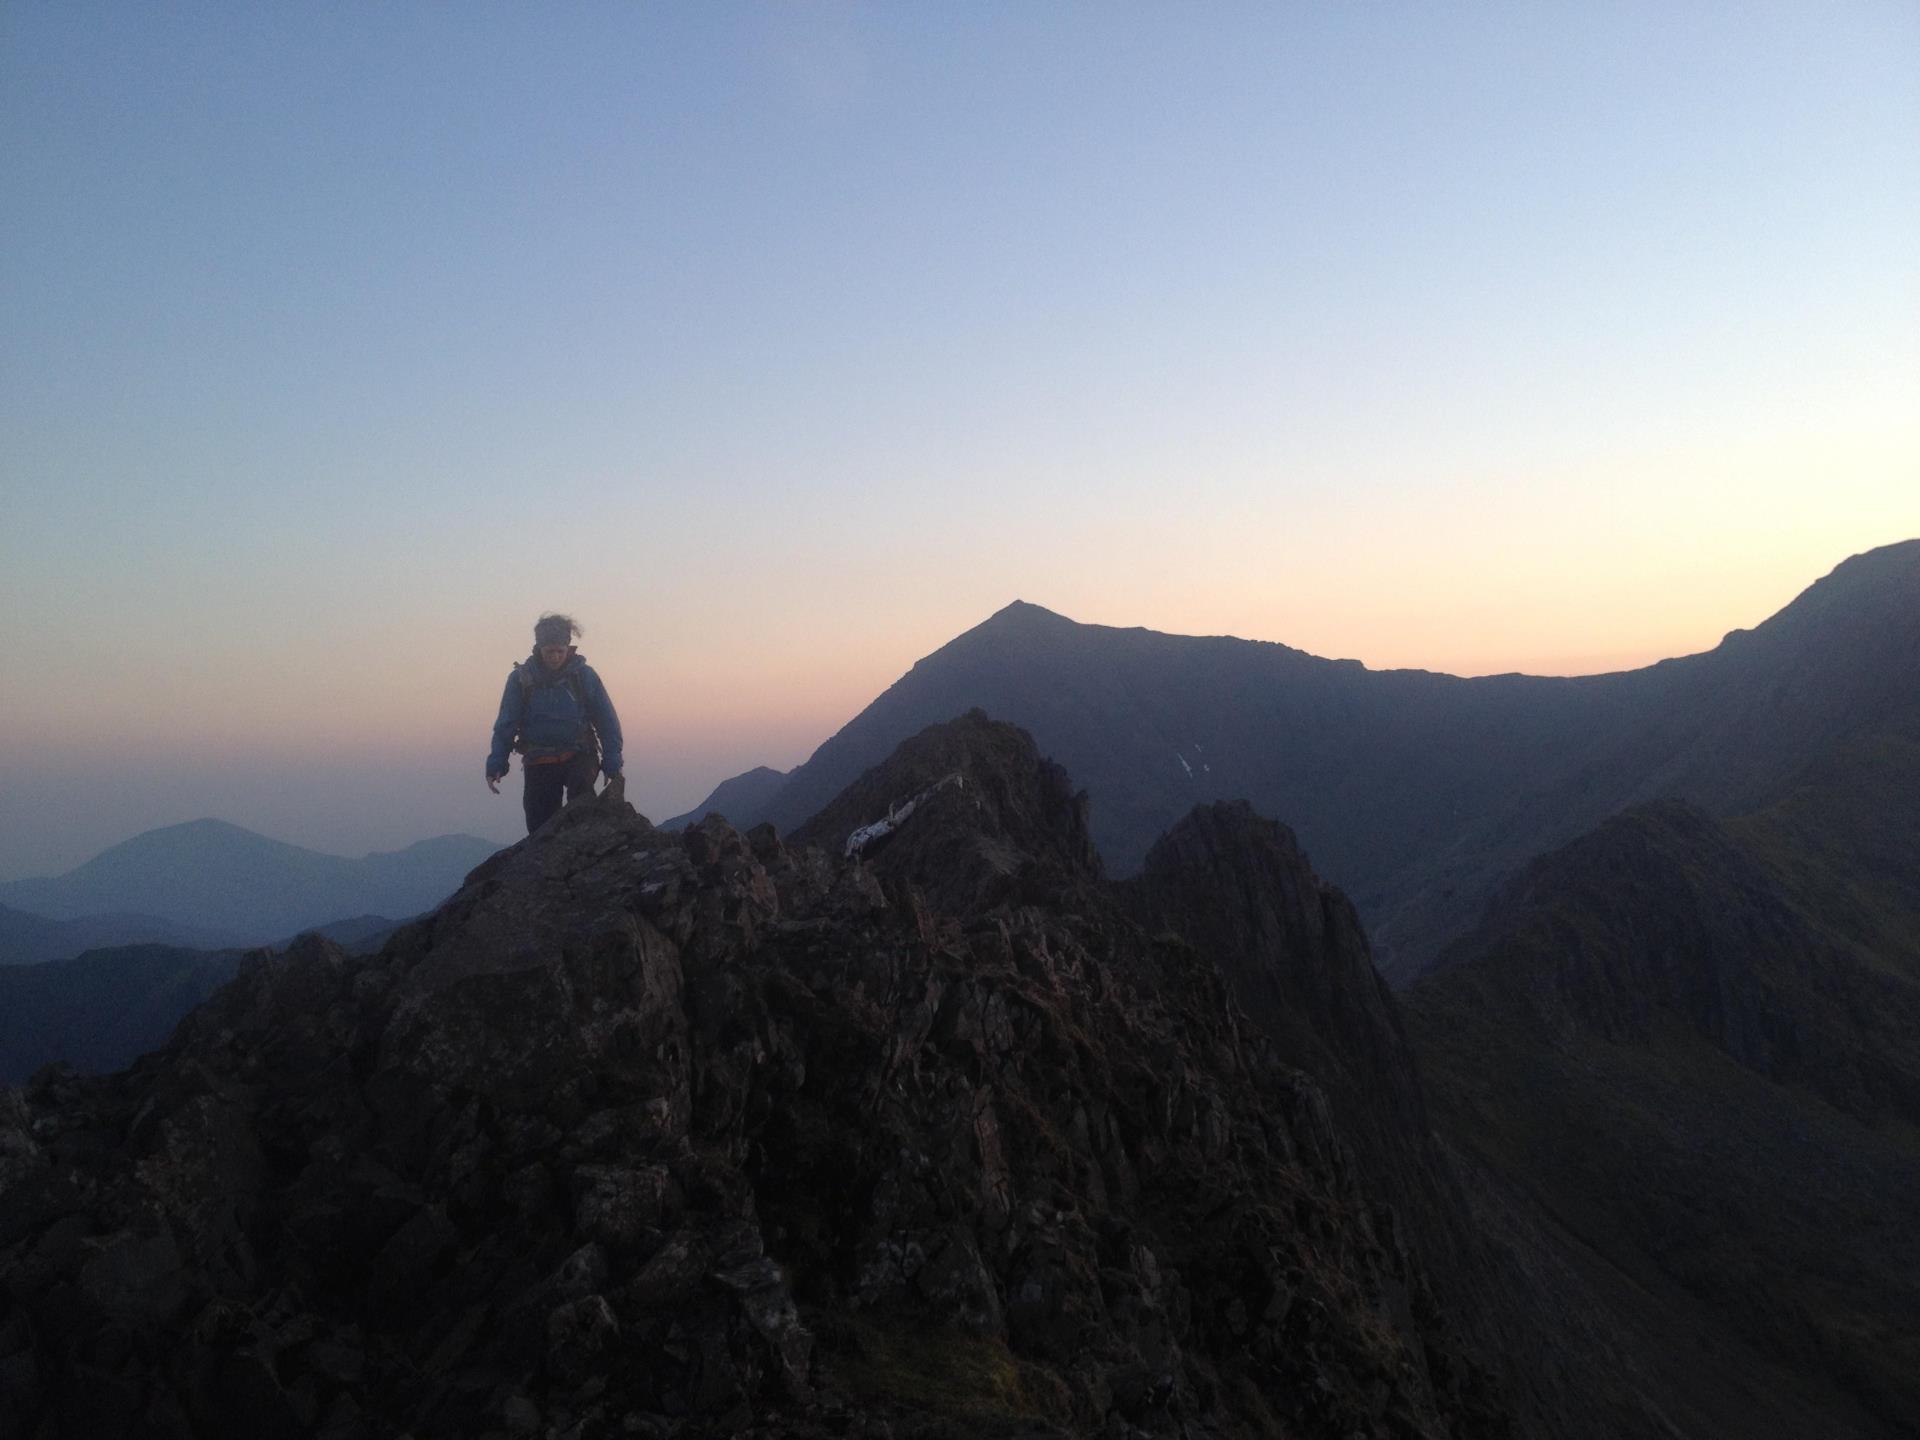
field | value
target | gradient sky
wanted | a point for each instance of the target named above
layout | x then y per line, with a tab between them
783	343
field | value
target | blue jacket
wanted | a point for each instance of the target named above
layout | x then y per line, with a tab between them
548	717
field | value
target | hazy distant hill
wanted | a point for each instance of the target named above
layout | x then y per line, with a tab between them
748	793
211	874
1693	1047
1413	791
30	939
100	1010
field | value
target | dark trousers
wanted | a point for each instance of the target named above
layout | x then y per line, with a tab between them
545	784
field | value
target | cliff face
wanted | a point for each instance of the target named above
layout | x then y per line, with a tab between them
648	1134
1240	889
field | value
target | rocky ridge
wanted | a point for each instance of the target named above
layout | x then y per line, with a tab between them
1418	794
713	1134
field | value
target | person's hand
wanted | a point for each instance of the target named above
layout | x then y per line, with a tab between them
493	783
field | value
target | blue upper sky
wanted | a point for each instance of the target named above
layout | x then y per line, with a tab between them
784	342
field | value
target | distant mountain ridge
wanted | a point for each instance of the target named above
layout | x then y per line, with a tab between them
27	939
1413	791
221	877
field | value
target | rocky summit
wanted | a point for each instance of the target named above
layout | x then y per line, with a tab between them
711	1134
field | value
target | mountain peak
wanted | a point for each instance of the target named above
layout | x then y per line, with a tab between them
1023	614
205	827
201	840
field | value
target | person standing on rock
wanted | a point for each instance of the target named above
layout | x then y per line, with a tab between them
556	713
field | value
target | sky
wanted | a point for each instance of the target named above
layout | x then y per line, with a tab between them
782	343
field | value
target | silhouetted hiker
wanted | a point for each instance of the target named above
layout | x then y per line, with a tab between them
556	713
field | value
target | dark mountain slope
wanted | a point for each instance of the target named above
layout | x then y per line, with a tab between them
1417	793
1842	661
100	1010
1842	838
1653	1045
215	875
712	1135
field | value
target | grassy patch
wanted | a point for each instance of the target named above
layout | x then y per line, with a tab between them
950	1373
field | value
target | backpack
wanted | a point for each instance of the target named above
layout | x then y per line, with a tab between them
524	675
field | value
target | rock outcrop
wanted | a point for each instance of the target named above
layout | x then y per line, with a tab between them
715	1134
